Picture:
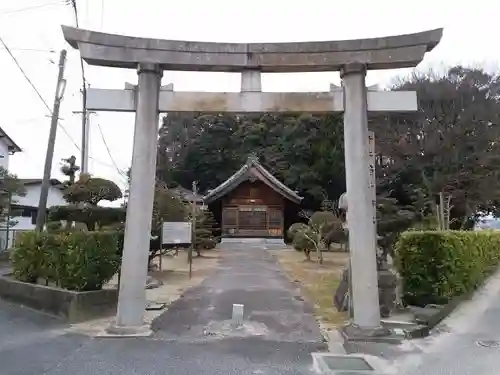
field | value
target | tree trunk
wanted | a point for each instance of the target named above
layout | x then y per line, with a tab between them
428	188
307	254
319	253
468	214
91	225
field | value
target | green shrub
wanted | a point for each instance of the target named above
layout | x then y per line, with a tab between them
437	266
294	228
301	241
71	260
92	216
28	256
324	221
54	226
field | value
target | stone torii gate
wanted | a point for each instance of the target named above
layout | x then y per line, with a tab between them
151	56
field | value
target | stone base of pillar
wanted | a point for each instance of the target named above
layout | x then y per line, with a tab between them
128	331
352	332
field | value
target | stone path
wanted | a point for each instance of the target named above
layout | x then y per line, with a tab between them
273	307
280	333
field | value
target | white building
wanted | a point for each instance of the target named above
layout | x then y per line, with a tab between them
29	203
25	207
7	147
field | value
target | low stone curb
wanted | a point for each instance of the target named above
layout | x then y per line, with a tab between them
334	341
71	306
427	322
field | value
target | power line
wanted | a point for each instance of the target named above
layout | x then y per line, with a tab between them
32	50
9	12
35	89
31	156
121	172
109	151
25	75
100	162
37	50
106	165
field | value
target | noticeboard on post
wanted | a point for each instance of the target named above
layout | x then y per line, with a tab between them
176	233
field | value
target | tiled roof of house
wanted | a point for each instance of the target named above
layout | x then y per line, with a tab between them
13	147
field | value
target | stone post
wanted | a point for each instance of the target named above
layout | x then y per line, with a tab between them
362	245
251	81
132	296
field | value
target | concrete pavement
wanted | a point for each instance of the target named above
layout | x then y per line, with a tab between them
191	337
453	348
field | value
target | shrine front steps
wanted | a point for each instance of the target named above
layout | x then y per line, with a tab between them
249	243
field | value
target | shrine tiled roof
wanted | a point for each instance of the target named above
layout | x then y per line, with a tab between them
252	169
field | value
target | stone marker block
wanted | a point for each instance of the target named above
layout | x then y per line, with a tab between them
387	282
237	317
341	297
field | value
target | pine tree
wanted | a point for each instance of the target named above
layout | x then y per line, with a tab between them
205	231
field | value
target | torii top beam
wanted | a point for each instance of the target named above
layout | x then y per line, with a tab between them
392	52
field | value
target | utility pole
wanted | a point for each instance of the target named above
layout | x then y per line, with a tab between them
85	137
193	227
60	87
7	224
69	169
85	129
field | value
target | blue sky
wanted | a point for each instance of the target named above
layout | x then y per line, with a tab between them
28	25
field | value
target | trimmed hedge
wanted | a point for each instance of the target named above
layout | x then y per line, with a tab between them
79	261
438	266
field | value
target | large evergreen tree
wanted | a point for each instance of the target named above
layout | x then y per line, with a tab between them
449	146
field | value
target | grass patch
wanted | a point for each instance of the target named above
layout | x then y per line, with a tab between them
318	282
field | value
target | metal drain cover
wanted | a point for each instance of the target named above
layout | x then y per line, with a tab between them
489	343
328	363
347	363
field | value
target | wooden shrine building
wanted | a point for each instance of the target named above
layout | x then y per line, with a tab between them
252	203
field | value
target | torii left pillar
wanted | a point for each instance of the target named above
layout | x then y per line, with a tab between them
132	297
